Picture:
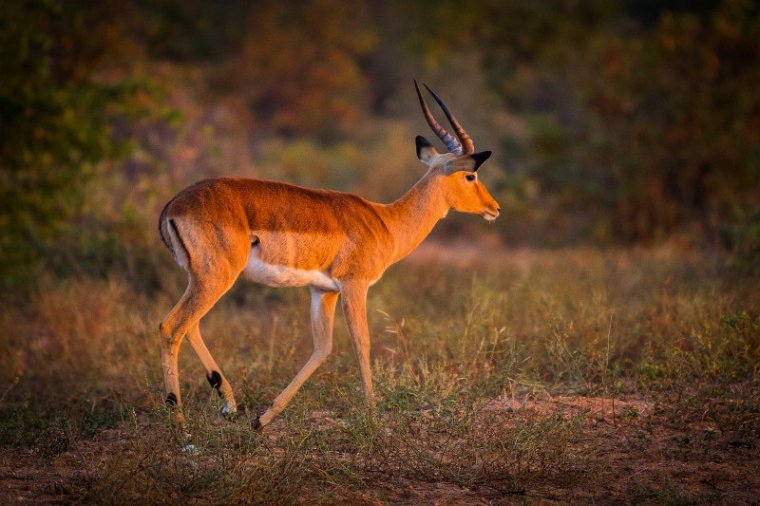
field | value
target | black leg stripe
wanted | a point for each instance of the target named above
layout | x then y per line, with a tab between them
215	379
171	399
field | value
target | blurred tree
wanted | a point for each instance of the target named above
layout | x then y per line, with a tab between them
674	120
643	116
634	119
301	65
55	117
192	31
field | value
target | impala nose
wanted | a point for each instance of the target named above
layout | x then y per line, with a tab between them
492	215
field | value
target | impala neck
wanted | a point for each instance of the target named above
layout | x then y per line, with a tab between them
412	217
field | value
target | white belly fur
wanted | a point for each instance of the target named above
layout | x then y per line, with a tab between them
282	275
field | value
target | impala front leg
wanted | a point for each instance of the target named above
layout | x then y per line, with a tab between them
355	309
322	313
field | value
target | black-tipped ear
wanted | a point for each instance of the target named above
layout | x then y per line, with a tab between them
421	143
480	158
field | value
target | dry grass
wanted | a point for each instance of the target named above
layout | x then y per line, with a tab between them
490	377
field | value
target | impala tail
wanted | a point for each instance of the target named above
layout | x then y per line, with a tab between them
170	236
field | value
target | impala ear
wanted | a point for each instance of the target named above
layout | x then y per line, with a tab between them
469	163
425	150
479	158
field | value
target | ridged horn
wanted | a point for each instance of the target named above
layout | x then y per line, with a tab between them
466	140
452	143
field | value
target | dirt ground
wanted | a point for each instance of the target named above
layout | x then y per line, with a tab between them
627	452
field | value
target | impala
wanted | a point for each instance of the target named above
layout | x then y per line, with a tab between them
335	243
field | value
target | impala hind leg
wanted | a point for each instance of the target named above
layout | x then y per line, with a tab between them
214	374
194	304
322	314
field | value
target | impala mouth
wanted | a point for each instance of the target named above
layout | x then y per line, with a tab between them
490	216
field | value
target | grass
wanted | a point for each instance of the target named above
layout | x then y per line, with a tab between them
489	378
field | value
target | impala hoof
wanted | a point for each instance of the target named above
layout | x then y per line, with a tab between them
229	411
256	424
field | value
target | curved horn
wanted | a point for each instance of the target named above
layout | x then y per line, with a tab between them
469	146
451	142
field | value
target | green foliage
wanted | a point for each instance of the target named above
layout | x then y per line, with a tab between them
188	30
742	236
57	118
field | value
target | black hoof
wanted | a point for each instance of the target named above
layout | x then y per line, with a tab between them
256	424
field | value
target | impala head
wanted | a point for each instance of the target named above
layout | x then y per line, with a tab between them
457	170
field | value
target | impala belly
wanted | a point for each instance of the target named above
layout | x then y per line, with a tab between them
282	275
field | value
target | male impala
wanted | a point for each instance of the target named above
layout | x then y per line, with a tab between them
335	243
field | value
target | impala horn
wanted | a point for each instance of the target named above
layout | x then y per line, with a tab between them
466	140
451	142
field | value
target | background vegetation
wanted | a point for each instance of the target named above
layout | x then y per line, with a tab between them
627	162
613	122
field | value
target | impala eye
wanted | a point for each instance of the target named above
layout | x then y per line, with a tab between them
470	177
